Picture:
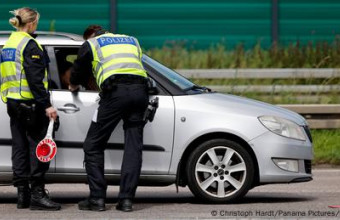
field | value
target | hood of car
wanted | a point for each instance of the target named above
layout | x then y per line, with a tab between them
235	104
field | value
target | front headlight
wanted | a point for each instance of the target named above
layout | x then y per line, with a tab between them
283	127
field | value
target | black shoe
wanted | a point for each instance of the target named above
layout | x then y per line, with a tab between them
24	197
92	204
41	201
124	205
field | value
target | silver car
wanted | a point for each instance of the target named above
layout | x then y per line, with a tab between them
219	145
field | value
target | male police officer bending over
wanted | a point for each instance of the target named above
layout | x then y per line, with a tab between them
116	62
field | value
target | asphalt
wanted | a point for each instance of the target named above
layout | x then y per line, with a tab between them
280	201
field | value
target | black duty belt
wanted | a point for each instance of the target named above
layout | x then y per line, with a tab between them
19	101
125	78
110	82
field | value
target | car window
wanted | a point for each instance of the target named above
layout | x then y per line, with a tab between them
168	73
65	57
62	59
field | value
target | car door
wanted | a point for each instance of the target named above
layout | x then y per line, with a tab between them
76	111
5	138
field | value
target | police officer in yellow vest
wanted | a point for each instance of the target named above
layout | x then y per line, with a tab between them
115	61
24	88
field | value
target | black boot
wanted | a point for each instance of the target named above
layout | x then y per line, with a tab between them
24	196
92	204
124	205
41	201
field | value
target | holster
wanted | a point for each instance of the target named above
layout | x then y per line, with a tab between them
27	113
151	110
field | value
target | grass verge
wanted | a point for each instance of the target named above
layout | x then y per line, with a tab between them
295	55
326	146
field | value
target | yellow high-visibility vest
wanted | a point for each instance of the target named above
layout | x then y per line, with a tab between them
14	84
115	54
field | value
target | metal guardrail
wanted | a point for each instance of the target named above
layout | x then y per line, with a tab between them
260	73
276	88
318	116
266	74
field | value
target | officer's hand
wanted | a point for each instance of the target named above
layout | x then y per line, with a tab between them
51	113
73	88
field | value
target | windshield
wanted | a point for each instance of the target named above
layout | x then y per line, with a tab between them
168	73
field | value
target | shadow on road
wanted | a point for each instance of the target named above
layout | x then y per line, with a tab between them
145	201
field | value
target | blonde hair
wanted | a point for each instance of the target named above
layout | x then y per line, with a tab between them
22	16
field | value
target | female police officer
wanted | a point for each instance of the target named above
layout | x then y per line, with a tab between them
24	88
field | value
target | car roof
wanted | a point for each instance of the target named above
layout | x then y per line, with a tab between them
49	38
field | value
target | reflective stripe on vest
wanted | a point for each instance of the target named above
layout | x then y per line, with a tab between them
115	54
13	78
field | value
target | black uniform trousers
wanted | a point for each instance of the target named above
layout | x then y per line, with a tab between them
25	137
127	101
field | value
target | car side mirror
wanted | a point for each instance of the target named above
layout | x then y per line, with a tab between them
152	87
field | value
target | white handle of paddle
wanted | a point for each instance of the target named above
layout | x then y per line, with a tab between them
50	129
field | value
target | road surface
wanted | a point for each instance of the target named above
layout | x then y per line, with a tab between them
301	200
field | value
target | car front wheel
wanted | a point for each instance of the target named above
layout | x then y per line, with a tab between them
220	171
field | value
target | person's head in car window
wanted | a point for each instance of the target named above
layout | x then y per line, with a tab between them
65	74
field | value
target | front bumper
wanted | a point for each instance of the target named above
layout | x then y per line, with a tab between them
269	146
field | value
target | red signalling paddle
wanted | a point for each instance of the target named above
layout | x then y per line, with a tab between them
47	148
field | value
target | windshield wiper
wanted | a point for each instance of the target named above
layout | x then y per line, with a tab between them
196	87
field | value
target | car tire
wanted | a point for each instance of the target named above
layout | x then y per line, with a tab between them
220	171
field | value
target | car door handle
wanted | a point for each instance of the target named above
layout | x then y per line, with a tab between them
69	108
